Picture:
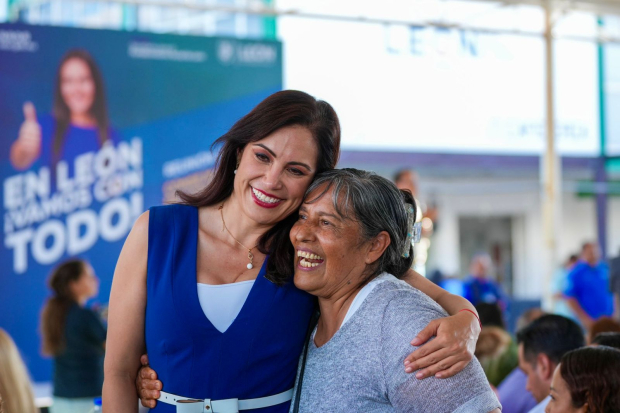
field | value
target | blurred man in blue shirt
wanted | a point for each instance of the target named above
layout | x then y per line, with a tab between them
587	290
479	288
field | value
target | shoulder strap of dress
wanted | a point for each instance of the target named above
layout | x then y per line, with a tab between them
169	224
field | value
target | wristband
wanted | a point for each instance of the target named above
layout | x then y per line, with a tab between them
475	315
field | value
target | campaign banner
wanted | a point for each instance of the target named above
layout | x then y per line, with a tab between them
96	126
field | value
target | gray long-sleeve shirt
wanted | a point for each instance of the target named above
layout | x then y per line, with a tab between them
360	369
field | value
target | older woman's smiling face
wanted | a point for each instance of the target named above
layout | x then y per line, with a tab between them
332	256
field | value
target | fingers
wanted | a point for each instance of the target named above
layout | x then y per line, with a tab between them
425	350
30	131
428	361
448	353
30	113
423	336
144	359
148	398
146	384
443	364
457	367
148	403
148	374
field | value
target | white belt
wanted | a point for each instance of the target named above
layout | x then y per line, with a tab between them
185	405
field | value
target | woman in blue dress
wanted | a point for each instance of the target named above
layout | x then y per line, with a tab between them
204	288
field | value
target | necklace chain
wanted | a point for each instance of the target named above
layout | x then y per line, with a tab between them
250	255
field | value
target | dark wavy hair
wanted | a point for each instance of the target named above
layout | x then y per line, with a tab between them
61	111
285	108
592	375
56	308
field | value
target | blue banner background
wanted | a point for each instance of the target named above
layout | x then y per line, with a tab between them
175	108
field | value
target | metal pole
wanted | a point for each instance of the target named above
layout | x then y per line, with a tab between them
601	172
550	166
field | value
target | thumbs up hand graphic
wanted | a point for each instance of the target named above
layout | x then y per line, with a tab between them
26	149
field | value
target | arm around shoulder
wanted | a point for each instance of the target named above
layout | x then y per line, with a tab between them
456	335
406	315
125	339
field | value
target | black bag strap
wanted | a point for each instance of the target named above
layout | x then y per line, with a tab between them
313	322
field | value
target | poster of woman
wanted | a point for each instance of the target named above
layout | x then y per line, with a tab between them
96	127
79	120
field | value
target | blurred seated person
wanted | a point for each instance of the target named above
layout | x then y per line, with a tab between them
603	325
478	286
586	381
512	393
587	292
541	346
607	339
495	349
16	395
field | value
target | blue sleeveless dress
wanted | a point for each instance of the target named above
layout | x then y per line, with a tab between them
256	357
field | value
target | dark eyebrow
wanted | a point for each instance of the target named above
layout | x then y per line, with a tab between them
302	208
301	164
275	156
267	149
325	214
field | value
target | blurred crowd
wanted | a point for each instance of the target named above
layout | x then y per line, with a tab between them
567	360
563	361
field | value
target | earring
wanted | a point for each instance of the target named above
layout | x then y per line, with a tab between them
235	172
237	167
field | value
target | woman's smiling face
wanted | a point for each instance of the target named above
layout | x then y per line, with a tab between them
274	173
77	86
331	254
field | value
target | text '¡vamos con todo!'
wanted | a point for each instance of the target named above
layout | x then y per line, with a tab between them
68	211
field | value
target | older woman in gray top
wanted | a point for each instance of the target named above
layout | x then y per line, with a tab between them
352	244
